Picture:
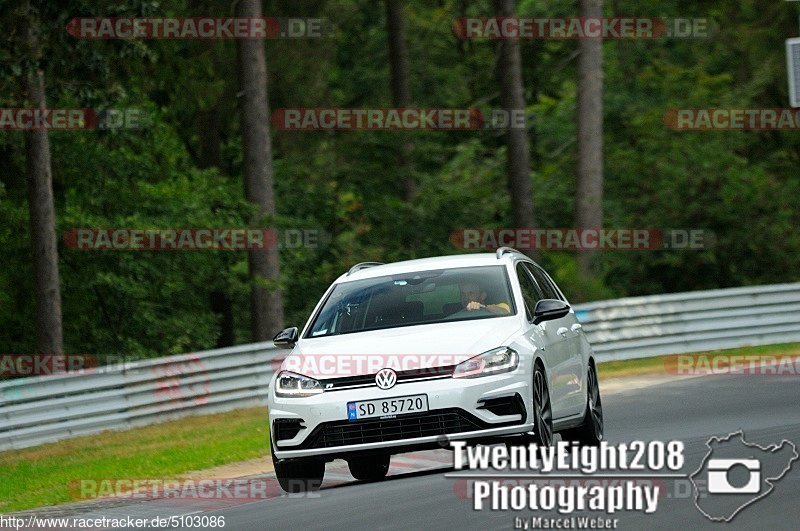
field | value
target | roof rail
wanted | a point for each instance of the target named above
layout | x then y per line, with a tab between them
363	265
503	250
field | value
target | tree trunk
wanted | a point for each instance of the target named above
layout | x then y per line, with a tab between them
49	338
589	200
401	94
509	65
266	302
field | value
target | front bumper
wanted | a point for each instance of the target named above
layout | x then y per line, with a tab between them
457	411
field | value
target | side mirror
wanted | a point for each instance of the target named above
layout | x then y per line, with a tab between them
548	309
286	338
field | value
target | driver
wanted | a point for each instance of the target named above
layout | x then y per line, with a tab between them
473	298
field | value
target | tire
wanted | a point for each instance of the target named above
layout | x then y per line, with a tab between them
590	432
542	409
298	475
369	467
542	434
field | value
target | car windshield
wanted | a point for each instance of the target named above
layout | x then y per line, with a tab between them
421	297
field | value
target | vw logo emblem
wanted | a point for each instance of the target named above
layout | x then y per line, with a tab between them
386	378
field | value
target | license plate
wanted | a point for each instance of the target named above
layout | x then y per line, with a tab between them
386	407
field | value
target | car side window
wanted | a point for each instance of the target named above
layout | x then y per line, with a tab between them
553	285
548	288
530	292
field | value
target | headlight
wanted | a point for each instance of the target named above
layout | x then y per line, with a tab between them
495	361
290	385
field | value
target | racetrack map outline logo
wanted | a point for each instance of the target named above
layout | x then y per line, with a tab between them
726	502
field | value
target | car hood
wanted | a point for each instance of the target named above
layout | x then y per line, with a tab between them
402	348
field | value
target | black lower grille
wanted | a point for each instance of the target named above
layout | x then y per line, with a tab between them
286	428
431	423
506	405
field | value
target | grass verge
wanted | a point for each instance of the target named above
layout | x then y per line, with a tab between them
39	476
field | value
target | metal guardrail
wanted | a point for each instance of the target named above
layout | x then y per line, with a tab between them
50	408
676	323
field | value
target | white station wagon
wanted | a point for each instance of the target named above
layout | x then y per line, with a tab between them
408	356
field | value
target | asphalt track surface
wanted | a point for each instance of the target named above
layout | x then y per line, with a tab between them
766	408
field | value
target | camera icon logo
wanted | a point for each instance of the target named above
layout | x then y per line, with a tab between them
719	472
735	474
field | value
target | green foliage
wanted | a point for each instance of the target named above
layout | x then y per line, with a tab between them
741	186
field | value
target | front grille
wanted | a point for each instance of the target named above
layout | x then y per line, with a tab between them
431	423
334	384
